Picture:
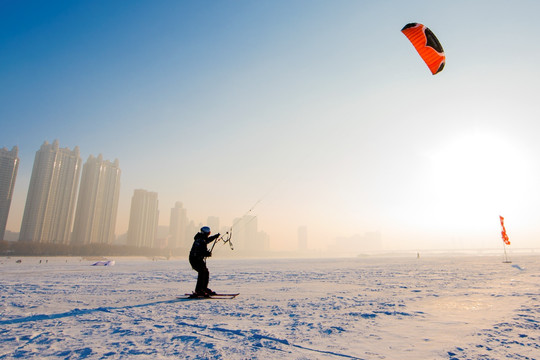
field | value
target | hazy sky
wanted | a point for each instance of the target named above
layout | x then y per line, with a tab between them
320	109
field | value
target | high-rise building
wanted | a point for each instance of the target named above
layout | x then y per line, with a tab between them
245	233
143	219
97	205
178	227
9	164
50	203
246	236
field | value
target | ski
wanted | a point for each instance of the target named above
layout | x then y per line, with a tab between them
214	296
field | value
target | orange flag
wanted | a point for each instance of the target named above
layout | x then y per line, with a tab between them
503	232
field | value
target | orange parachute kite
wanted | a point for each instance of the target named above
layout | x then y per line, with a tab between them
427	45
503	232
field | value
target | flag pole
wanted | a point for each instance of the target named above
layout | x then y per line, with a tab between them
506	261
505	239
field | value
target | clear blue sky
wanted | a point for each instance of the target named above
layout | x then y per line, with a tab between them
322	109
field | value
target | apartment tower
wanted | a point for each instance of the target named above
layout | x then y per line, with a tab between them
9	164
97	205
143	219
50	203
178	226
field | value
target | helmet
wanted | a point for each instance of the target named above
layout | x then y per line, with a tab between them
205	230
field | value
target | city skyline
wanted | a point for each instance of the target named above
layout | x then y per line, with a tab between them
53	194
101	178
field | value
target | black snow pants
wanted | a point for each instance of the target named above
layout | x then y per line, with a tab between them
199	265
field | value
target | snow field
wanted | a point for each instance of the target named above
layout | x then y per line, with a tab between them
361	308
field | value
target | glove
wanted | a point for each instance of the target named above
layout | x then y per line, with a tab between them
218	235
208	254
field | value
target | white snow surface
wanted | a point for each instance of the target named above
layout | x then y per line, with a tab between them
458	307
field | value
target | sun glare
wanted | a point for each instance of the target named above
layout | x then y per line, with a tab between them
476	176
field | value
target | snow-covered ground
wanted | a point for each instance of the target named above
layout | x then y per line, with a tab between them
364	308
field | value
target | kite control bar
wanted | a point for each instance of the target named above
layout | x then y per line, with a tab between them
226	238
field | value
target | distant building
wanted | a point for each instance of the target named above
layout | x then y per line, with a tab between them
263	240
97	205
302	238
11	236
250	226
240	232
50	203
178	227
9	164
143	219
247	238
192	229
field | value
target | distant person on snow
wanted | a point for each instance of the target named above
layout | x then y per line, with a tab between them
197	258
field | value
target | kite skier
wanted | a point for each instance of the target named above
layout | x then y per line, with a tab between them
197	258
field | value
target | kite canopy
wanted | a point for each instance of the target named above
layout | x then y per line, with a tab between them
427	45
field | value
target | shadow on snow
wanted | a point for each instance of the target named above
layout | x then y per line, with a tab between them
77	312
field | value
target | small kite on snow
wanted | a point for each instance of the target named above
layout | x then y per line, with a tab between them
104	263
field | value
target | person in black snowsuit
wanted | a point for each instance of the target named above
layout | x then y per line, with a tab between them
197	258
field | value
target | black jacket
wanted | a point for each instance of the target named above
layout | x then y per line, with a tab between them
199	248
